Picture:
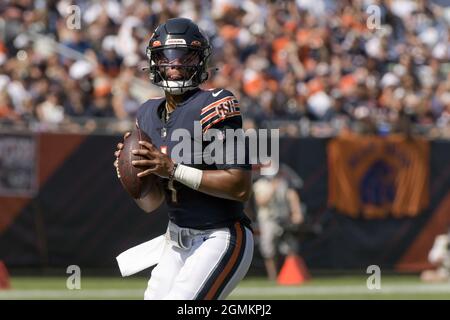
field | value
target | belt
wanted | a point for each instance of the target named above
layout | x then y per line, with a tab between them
182	237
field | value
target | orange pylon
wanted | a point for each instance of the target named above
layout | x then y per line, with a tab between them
294	271
4	277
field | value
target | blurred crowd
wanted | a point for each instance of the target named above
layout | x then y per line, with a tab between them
310	67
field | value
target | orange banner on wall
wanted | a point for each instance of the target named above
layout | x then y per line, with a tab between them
378	176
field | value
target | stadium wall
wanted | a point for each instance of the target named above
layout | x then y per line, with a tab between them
69	208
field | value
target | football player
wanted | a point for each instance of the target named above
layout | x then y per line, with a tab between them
209	242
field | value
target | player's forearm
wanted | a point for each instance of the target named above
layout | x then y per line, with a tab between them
231	184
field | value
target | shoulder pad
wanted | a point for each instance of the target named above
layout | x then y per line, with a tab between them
221	105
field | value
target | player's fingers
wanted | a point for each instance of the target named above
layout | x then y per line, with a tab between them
120	146
149	154
142	163
153	153
146	172
141	152
147	144
117	153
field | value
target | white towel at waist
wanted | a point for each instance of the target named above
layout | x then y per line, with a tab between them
141	257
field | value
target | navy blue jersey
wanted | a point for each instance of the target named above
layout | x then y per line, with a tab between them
200	112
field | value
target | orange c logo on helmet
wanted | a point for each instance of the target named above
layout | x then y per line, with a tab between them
156	43
196	43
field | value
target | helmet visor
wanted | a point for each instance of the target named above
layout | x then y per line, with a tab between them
176	56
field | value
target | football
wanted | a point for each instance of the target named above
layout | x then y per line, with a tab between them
137	187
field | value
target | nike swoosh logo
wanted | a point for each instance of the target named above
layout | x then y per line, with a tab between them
216	94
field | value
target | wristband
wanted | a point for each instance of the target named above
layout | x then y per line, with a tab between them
188	176
172	173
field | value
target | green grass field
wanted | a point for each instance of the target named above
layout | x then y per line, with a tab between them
348	287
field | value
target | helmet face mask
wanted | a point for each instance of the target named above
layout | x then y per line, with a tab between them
178	61
176	68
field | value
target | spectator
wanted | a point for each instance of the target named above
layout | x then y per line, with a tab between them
318	60
278	206
439	257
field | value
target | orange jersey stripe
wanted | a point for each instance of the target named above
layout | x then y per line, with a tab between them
233	259
212	114
229	115
212	105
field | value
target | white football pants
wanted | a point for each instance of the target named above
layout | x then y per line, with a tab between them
210	269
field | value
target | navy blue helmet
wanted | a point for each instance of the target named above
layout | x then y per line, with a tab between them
179	43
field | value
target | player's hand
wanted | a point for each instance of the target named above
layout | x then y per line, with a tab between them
117	153
156	162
